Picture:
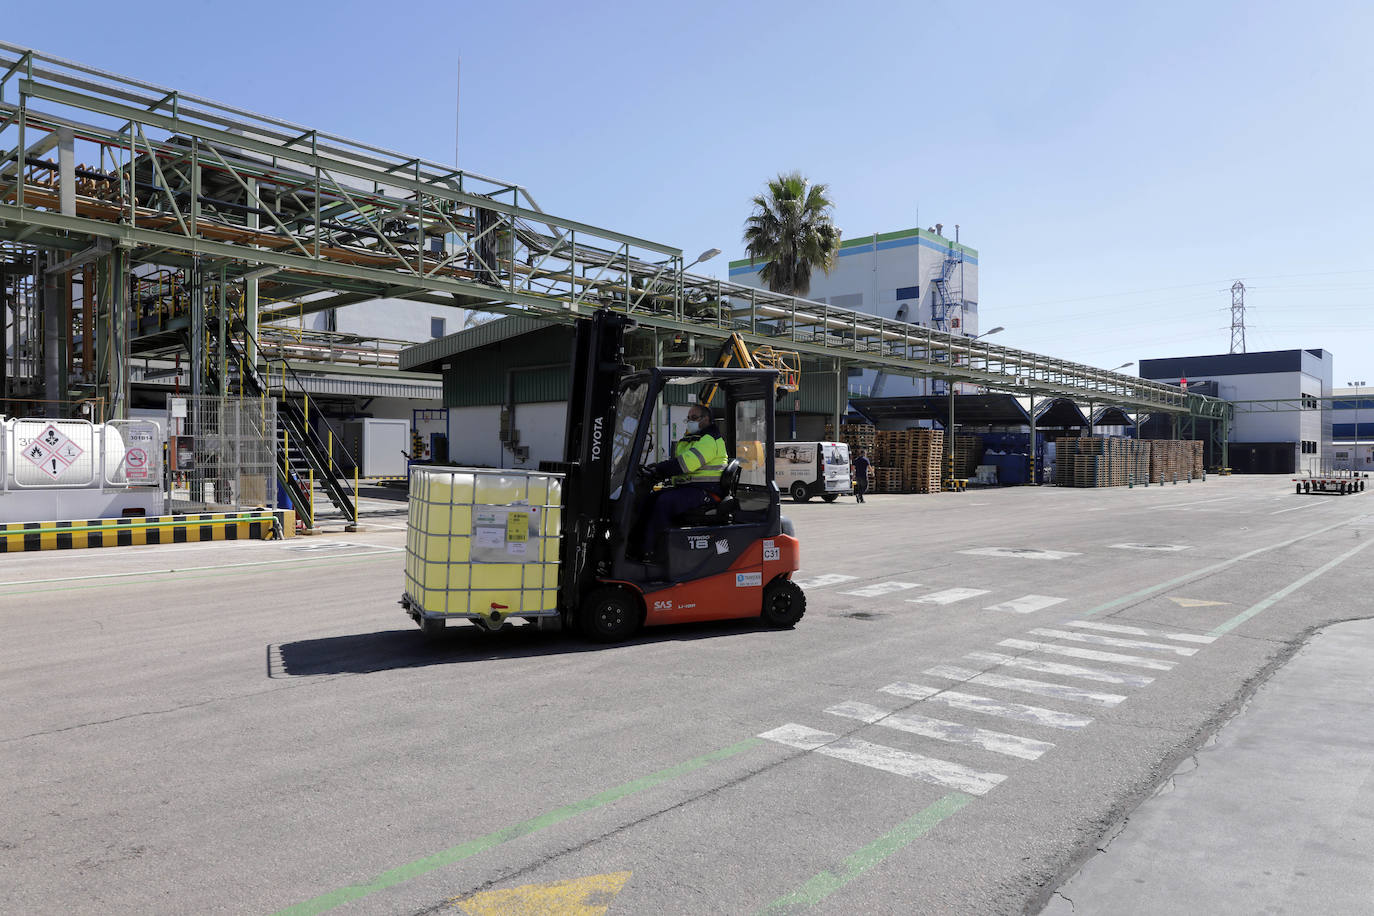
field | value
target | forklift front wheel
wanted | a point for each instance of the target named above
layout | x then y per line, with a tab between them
610	614
784	603
799	492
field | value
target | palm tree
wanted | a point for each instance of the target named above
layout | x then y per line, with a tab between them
791	230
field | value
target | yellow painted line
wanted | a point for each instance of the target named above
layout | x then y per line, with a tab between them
589	896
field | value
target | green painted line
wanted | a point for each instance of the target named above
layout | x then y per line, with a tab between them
403	873
1197	574
827	882
1284	592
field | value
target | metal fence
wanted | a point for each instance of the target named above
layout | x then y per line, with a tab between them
221	453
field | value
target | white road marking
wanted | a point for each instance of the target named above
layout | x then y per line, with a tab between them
376	550
1138	631
1025	685
940	730
1045	667
1191	505
882	588
888	759
1093	655
1196	602
972	703
1113	641
1025	553
823	581
1163	547
948	596
1296	508
1026	604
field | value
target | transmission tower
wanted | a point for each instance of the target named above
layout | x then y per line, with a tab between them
1238	317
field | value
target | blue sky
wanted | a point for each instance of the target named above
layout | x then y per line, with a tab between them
1116	165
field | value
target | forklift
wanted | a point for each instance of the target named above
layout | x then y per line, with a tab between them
732	558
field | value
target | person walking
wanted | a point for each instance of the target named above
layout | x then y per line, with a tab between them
861	465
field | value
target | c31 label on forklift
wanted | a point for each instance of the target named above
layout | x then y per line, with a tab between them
745	580
771	552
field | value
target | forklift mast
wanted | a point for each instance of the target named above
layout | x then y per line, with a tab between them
598	365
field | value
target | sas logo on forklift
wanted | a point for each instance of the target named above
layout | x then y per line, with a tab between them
667	605
745	580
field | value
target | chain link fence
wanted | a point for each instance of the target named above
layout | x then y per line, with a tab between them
221	453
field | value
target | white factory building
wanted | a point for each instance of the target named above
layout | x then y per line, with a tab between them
914	275
1289	430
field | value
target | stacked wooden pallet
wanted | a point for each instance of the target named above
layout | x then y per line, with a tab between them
909	459
1175	459
968	454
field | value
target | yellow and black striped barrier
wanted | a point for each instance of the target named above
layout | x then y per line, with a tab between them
16	537
956	484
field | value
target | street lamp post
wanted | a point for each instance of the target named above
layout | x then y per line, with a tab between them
1355	439
706	255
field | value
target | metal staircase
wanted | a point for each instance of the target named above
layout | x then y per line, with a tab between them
305	459
944	302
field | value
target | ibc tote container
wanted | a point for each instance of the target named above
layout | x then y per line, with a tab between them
483	544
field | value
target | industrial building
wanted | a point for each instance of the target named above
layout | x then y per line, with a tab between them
913	275
1282	423
1352	427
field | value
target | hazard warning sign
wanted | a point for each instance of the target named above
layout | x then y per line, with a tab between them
52	452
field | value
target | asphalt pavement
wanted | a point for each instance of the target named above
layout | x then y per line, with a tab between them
987	687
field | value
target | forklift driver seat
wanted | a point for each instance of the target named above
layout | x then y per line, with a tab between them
721	512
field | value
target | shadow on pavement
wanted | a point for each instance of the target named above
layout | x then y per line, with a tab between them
388	650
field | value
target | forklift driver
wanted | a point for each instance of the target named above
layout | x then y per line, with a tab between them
698	459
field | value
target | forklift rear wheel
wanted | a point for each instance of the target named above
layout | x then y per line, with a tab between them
799	493
610	615
784	603
432	627
830	497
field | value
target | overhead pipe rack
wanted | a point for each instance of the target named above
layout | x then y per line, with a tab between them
171	178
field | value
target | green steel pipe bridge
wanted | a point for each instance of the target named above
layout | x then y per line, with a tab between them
109	176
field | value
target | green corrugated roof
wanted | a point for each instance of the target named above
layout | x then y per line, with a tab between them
425	357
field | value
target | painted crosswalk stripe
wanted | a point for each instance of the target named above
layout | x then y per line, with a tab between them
888	759
973	703
940	730
1024	553
1025	685
882	588
1113	641
1092	655
1137	631
1026	604
1046	667
948	596
824	580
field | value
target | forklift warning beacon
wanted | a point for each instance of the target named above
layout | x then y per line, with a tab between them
562	543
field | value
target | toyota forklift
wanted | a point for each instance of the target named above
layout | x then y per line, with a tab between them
732	558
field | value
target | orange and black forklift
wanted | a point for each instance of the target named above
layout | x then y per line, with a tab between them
733	557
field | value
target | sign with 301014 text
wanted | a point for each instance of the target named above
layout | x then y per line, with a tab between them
52	452
141	455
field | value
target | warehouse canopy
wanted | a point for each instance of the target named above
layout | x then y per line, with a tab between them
1059	413
969	410
1111	416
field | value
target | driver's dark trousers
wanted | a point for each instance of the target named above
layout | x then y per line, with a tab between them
671	502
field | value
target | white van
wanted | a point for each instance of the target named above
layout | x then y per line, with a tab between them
807	469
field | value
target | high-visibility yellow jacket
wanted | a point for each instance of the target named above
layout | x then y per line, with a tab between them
700	457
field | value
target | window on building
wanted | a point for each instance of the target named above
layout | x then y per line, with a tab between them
436	327
1309	447
1310	402
908	292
